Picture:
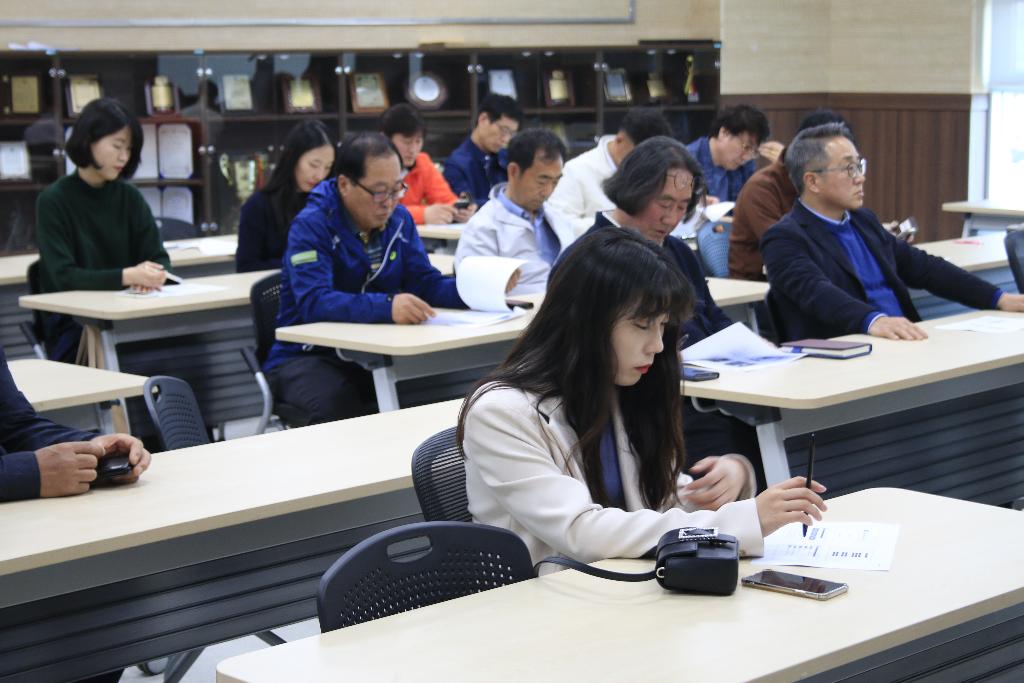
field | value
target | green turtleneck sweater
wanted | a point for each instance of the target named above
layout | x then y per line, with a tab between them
88	235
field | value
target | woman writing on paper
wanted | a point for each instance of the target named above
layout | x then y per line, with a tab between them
575	442
95	231
307	158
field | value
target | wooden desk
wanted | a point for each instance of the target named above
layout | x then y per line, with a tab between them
213	543
569	626
814	393
49	385
209	327
986	214
396	352
448	232
203	251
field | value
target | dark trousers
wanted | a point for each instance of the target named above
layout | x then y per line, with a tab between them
323	386
713	433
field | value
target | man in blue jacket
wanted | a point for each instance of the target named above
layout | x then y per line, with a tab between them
480	162
833	268
42	459
354	255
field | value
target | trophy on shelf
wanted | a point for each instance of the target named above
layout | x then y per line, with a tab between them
690	89
161	97
558	90
244	173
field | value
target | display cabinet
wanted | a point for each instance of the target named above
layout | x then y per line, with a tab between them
215	122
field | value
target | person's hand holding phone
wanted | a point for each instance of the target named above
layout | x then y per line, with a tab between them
125	444
439	214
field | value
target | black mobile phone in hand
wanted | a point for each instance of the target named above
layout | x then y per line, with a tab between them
695	374
462	203
111	467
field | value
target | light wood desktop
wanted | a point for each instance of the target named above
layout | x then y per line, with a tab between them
219	540
986	214
815	393
568	626
738	297
973	254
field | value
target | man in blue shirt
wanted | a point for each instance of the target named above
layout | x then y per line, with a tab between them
834	269
480	162
353	255
727	154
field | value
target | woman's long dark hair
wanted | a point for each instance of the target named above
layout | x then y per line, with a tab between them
566	352
285	198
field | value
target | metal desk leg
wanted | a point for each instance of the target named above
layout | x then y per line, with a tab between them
108	346
968	225
752	318
104	418
773	452
384	380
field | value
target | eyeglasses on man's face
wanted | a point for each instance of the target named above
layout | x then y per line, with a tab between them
854	170
382	196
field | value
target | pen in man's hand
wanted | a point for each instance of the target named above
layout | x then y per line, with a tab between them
810	472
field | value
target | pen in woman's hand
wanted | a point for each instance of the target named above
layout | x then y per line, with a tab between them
810	472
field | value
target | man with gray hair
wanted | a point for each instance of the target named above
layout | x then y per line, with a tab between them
834	269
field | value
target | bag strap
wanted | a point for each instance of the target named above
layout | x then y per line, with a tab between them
595	571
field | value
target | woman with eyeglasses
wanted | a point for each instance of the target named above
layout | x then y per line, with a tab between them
353	255
94	229
307	158
575	442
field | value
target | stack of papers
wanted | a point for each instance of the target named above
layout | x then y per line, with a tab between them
736	348
992	324
481	281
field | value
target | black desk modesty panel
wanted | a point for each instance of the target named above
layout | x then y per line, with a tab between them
84	617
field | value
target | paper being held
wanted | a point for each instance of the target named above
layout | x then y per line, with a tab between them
481	282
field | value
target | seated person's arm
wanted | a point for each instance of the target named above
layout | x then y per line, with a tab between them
793	274
458	181
441	201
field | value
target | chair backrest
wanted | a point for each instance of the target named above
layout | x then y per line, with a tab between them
176	229
35	287
417	565
439	477
175	412
713	247
265	298
1014	243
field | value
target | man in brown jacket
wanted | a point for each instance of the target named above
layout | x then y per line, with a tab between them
764	199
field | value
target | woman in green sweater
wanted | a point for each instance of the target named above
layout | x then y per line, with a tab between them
94	230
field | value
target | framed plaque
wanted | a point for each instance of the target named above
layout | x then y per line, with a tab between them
22	94
14	161
237	92
81	90
174	150
369	94
558	90
300	94
426	91
502	82
656	90
161	97
616	87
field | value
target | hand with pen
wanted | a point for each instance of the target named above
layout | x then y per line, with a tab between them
145	277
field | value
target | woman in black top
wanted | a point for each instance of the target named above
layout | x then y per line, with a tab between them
307	159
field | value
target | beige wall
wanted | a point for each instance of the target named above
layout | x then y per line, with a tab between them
656	19
877	46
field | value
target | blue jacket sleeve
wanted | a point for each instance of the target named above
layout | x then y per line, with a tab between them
421	278
22	432
309	266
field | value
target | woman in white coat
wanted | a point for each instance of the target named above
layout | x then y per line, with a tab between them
575	442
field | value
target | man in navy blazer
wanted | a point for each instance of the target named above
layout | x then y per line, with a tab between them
833	268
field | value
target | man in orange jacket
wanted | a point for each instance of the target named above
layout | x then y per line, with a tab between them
429	198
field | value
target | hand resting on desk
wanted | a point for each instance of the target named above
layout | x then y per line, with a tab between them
895	327
1013	303
67	469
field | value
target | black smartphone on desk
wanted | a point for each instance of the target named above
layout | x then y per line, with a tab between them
692	373
794	584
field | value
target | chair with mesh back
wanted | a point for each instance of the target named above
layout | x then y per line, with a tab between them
417	565
265	299
1014	243
439	477
176	229
713	248
175	412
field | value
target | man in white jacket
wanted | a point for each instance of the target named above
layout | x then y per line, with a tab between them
579	194
519	223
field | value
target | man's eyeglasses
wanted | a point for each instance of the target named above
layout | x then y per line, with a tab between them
506	131
381	196
854	170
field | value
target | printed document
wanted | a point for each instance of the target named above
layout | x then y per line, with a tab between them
481	281
736	348
991	324
836	545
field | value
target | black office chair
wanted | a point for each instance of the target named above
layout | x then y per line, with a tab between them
1014	242
439	478
175	229
265	298
33	331
382	575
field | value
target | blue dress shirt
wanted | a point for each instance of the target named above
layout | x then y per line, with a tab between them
725	185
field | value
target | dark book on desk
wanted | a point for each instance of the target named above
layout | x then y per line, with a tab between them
827	348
